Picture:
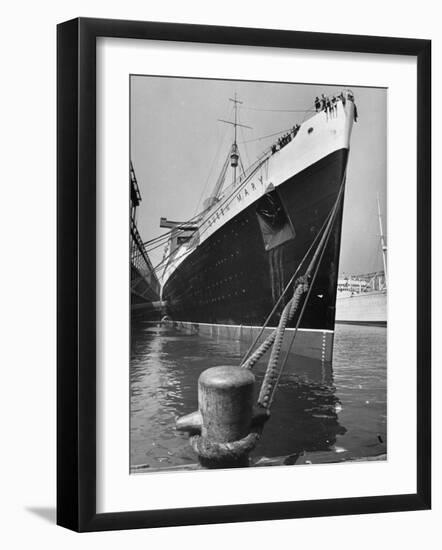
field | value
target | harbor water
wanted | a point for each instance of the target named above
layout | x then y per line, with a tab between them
320	409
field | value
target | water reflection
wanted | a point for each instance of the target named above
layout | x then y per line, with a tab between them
314	408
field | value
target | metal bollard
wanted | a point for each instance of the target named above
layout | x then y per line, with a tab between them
225	402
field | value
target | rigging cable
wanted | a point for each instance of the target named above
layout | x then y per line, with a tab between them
233	450
221	143
280	110
196	216
253	169
304	305
247	353
221	203
161	240
268	342
243	142
267	136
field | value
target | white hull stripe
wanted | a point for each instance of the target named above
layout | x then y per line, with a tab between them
254	327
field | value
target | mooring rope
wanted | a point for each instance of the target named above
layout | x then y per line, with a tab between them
283	293
235	453
303	286
293	304
270	374
214	452
269	396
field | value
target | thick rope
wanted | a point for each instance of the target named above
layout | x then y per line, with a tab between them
271	374
268	342
235	453
214	453
256	356
289	284
292	307
231	453
276	375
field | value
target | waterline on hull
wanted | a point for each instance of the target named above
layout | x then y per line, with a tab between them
312	343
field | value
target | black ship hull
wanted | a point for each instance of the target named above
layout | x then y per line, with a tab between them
237	274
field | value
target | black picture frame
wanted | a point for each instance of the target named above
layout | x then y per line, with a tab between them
76	273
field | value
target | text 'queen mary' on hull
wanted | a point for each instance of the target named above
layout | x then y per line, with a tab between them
225	271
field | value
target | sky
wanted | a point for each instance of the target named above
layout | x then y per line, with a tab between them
178	147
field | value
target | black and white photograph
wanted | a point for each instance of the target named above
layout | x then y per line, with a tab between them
220	282
258	273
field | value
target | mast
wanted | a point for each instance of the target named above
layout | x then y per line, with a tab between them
235	145
383	244
234	155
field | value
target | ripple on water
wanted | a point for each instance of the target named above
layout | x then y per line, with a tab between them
316	408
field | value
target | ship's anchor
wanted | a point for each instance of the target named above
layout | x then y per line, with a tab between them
227	427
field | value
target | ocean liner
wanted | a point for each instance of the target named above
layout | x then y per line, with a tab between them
224	270
362	299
